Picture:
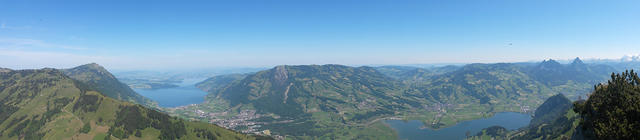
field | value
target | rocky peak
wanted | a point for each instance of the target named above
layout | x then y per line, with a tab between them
577	61
549	64
281	74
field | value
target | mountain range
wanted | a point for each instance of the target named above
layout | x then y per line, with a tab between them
104	82
299	102
87	102
336	101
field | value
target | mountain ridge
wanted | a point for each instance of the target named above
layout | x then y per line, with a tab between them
48	104
104	82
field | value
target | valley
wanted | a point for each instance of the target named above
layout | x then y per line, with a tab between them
334	101
74	104
319	70
354	101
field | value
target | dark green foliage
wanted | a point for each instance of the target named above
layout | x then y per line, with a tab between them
494	131
118	132
554	107
85	128
41	95
259	137
18	128
138	133
29	129
613	109
131	119
87	103
205	134
6	111
611	112
16	120
170	128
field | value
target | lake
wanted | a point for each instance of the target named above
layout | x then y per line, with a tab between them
185	94
410	130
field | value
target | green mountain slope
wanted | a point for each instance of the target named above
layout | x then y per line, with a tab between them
610	112
500	83
315	100
335	101
104	82
48	104
217	83
295	90
613	109
552	108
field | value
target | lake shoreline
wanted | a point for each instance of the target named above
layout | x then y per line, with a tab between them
415	129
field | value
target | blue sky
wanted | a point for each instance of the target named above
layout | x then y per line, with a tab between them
241	33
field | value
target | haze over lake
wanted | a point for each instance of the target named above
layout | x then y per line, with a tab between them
186	93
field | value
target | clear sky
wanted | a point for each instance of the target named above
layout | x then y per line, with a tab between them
237	33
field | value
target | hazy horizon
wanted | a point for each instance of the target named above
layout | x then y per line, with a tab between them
144	35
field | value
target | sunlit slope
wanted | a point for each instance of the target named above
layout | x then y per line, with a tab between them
610	112
332	99
217	83
47	104
104	82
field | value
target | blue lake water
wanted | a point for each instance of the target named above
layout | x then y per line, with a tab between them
411	130
185	94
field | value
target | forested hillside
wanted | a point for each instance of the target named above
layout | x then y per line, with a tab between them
48	104
104	82
611	112
336	98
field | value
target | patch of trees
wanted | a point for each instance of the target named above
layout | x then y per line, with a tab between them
85	128
15	121
548	130
132	119
29	128
6	111
170	127
87	103
613	109
494	131
128	120
205	134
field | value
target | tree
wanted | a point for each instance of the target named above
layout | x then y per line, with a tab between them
86	128
613	109
138	133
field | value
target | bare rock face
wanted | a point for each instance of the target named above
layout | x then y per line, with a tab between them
280	74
